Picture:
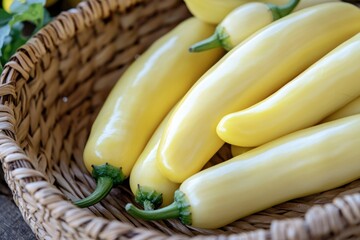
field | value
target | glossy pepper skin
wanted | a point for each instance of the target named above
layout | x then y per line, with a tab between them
308	161
150	188
143	96
323	88
246	75
214	11
247	19
352	108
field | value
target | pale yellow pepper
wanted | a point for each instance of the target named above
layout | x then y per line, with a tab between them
246	75
349	109
306	162
214	11
247	19
323	88
150	188
140	100
352	108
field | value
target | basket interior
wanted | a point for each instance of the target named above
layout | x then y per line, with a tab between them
57	100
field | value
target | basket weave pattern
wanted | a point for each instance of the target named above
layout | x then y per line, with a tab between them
51	91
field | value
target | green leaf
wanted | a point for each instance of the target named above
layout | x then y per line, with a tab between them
5	17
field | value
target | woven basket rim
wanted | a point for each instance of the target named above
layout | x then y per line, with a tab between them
23	62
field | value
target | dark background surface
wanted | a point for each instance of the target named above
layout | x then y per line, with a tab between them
12	224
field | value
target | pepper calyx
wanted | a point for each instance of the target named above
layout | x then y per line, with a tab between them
183	206
282	10
148	198
224	38
107	170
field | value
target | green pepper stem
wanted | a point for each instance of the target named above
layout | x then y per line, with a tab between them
107	177
168	212
282	10
180	208
212	42
103	187
148	197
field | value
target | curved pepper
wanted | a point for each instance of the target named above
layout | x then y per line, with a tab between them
242	22
246	75
143	96
247	19
309	161
352	108
214	11
150	187
323	88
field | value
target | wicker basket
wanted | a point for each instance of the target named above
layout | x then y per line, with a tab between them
51	91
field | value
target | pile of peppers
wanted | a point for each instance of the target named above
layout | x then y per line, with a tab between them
276	79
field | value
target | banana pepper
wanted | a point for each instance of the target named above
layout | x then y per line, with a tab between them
247	19
139	101
150	188
352	108
214	11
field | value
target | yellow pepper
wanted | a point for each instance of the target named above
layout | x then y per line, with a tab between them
139	101
349	109
246	75
323	88
247	19
150	187
309	161
214	11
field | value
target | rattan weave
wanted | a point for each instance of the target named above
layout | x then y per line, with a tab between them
51	91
